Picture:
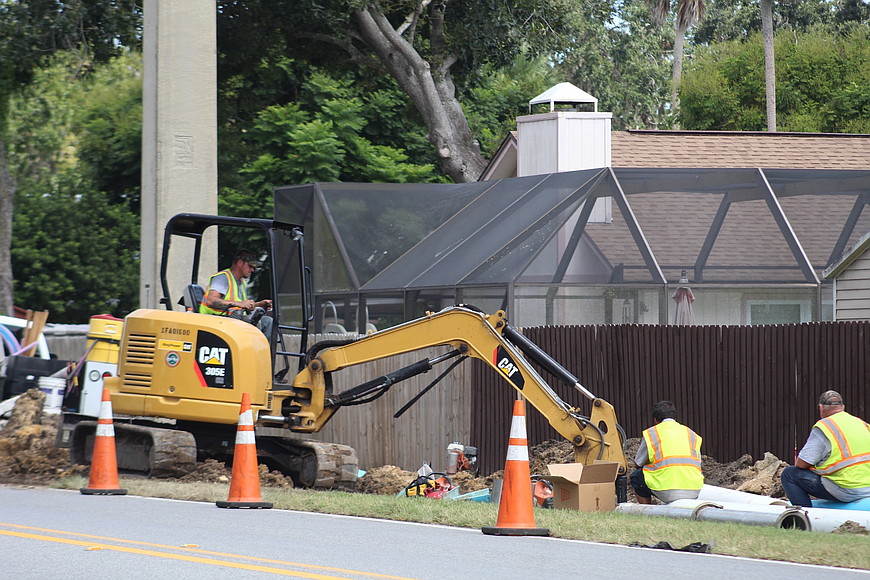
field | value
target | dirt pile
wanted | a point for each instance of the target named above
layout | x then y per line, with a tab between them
213	471
27	444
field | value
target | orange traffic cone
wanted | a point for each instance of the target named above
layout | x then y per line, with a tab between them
245	484
515	509
104	463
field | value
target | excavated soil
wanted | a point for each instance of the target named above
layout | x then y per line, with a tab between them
28	455
27	444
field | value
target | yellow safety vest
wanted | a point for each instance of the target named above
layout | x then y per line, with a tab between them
235	293
674	457
849	463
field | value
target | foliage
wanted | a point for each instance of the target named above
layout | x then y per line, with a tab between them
77	254
501	94
325	136
109	129
615	54
823	84
75	245
321	32
32	31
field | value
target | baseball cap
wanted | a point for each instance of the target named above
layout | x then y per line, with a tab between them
830	398
249	257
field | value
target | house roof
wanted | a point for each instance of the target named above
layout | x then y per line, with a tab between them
739	149
850	256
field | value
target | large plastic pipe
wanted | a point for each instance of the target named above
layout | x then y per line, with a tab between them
828	520
786	517
663	511
820	519
721	494
860	505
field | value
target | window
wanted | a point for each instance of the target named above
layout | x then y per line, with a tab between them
780	312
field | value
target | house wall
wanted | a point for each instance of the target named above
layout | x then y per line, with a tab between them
853	290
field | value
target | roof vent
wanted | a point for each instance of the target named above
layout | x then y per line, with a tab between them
564	93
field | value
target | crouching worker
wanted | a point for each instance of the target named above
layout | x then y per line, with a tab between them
227	294
668	459
834	463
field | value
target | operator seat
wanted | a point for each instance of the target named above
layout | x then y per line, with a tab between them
191	298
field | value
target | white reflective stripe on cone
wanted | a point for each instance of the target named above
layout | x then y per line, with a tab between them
246	418
518	427
105	409
245	438
105	430
517	453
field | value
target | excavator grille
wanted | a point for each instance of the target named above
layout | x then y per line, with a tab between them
140	351
134	380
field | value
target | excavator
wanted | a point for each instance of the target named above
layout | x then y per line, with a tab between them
181	374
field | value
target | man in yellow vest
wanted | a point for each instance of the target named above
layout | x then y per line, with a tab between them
834	463
668	459
227	294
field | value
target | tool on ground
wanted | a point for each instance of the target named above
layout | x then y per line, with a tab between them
460	458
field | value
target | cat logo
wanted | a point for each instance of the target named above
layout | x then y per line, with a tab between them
214	361
504	363
213	355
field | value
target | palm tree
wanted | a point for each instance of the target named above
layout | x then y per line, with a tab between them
689	13
769	69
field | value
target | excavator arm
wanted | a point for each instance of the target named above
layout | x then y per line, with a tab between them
310	402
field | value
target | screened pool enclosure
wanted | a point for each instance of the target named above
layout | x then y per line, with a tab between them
752	243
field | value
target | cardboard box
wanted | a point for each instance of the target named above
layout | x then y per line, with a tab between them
588	488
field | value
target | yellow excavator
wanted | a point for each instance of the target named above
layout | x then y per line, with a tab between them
181	375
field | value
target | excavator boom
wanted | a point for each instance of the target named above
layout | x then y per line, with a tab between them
309	403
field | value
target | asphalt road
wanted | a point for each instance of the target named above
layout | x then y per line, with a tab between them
48	533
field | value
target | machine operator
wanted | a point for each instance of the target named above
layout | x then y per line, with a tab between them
227	293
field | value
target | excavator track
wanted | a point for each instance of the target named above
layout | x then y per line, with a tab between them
141	450
337	465
157	452
311	464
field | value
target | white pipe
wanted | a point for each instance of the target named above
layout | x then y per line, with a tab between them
733	505
828	520
664	510
720	494
820	519
786	517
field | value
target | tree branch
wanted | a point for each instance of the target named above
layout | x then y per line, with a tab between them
356	55
412	19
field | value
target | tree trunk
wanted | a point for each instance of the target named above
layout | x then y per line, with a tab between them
7	195
679	43
769	67
432	93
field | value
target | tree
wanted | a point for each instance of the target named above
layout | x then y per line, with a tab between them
30	32
322	137
824	85
425	45
689	13
769	65
75	244
615	53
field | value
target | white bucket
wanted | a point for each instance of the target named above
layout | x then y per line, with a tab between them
54	389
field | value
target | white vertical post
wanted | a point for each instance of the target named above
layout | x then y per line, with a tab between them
179	136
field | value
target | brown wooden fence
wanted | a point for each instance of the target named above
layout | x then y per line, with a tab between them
744	389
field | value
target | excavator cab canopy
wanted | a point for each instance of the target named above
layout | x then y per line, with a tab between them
288	277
